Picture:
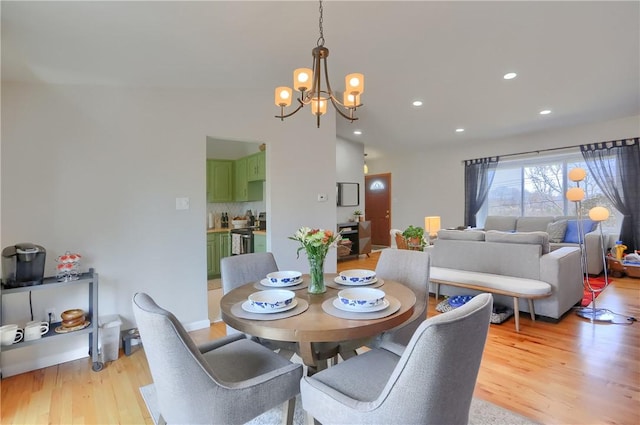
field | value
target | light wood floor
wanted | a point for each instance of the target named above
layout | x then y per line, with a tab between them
572	372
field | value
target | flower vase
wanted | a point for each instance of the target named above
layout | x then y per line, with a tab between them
316	271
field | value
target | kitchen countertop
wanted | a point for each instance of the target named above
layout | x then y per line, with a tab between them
217	230
221	230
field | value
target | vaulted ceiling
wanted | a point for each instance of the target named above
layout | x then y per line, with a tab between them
581	60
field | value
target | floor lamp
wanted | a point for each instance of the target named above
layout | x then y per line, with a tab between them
576	195
597	214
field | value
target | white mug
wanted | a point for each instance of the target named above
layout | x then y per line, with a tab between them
10	334
35	329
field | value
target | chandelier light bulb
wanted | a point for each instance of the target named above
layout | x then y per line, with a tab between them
302	79
354	83
351	100
283	96
319	107
598	214
575	194
577	174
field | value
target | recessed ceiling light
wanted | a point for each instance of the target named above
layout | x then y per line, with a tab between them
459	130
545	112
510	75
357	132
417	103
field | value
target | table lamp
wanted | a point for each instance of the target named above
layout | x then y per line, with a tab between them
431	227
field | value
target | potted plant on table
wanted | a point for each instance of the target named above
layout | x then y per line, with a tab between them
358	215
414	236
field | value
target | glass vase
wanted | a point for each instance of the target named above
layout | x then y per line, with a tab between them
316	272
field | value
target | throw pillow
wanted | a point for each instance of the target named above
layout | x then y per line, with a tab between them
571	236
556	230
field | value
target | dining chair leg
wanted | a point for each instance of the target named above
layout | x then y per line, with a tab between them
289	411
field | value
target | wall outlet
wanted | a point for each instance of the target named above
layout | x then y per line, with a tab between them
51	316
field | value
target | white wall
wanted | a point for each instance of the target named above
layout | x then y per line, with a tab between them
96	170
432	182
350	169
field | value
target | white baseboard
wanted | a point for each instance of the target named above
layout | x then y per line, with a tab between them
27	364
194	326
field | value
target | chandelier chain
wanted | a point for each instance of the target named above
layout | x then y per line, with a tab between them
320	42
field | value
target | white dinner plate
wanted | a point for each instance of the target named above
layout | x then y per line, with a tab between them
337	304
267	282
246	306
339	281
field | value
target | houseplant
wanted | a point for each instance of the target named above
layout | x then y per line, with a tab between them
316	243
413	235
358	215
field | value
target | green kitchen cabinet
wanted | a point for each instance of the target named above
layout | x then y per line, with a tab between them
256	167
244	190
219	180
259	243
241	183
218	247
225	245
213	266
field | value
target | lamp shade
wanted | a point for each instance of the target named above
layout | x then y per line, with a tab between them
598	213
351	100
302	79
575	194
432	225
283	96
577	174
354	83
318	106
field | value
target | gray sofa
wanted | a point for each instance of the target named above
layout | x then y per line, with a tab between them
554	226
518	264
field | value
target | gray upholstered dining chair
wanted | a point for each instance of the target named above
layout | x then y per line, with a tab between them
238	270
226	381
431	381
410	268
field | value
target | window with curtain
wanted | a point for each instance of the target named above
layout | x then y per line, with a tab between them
537	187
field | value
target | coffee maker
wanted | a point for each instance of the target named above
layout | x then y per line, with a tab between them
261	222
23	265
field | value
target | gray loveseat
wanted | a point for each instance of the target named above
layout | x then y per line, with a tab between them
557	227
514	266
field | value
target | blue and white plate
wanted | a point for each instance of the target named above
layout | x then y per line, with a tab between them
246	306
339	281
267	282
337	304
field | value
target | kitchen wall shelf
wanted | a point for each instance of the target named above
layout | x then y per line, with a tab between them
51	283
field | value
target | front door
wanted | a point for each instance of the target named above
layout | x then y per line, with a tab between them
377	197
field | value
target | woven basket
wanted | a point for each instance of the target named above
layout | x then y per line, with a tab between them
344	248
632	271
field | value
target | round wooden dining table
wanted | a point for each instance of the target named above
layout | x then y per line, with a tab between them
314	325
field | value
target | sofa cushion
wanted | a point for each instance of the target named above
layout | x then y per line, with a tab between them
510	284
529	238
461	235
572	234
556	231
503	223
533	224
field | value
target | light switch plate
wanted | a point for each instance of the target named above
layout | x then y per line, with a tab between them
182	203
